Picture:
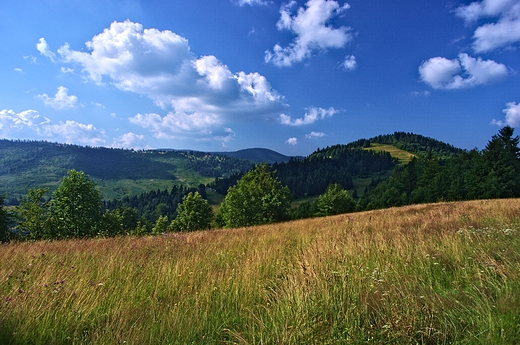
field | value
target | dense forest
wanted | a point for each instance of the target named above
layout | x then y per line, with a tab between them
491	173
154	204
414	143
334	165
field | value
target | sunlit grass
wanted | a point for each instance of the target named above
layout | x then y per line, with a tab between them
427	274
402	155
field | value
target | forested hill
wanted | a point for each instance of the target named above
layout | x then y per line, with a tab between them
258	155
310	176
343	163
31	164
413	143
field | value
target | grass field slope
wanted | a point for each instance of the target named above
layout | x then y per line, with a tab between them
446	273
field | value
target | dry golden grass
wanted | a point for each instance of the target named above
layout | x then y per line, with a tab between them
441	273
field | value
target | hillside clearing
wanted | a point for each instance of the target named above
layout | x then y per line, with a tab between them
402	155
424	274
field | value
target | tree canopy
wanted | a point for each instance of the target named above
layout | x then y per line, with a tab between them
335	200
76	206
257	198
194	213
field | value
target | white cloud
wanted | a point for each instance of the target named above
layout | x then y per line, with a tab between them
202	92
75	133
43	48
312	135
252	2
130	141
175	125
18	70
313	31
61	100
11	121
98	105
292	141
500	32
350	63
313	115
421	93
464	72
512	119
71	132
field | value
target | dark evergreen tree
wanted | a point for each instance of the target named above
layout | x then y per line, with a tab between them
4	225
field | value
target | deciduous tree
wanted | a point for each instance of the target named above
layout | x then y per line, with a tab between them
33	214
335	200
258	198
194	213
76	207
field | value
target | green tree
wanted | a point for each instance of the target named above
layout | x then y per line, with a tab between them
33	214
257	198
161	225
4	227
194	213
335	200
76	207
502	161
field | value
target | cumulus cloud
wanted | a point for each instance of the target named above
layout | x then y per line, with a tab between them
292	141
313	135
175	125
61	100
502	31
44	50
512	119
350	63
313	115
130	141
464	72
202	92
11	121
73	132
313	31
69	131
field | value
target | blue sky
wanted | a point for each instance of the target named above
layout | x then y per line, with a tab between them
224	75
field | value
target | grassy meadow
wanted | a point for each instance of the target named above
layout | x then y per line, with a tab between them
445	273
403	156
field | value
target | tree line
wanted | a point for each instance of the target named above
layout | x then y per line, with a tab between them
260	197
491	173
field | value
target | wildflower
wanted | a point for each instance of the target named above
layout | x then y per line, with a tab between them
7	299
20	290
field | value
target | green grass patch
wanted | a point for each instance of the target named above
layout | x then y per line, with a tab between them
403	156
